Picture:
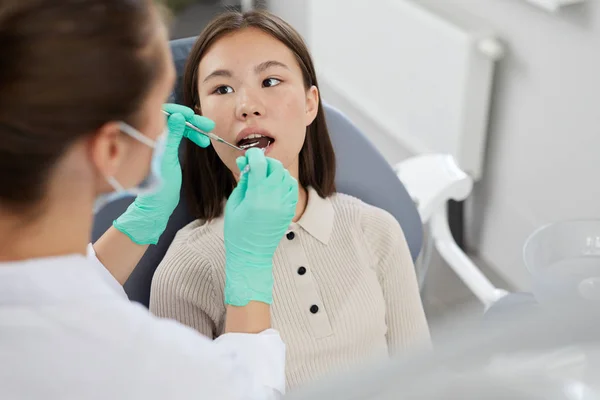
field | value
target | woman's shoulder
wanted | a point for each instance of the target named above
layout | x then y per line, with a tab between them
367	214
379	229
347	205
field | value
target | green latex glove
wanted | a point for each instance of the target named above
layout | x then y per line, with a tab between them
257	215
178	125
146	218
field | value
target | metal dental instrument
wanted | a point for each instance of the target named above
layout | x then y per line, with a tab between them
218	139
209	134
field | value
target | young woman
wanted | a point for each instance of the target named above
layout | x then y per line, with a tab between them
345	288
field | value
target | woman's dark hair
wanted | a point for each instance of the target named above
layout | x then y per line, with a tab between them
66	68
207	180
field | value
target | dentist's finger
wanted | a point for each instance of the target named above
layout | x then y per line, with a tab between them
258	167
176	108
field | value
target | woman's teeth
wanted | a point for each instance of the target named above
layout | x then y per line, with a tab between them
255	140
247	146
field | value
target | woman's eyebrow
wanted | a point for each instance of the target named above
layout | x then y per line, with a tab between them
263	66
219	72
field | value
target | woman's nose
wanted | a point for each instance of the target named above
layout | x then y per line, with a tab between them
250	106
245	114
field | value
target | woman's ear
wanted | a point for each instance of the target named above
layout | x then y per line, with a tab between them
312	104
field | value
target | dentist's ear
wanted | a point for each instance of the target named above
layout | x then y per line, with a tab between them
107	149
312	104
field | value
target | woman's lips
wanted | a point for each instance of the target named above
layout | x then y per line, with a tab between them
250	131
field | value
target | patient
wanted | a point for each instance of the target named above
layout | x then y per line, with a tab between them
345	287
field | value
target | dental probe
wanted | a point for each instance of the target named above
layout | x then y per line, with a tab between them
209	134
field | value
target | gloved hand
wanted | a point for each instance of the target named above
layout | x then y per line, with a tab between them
257	215
146	218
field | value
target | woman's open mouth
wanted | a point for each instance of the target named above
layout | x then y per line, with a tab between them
255	140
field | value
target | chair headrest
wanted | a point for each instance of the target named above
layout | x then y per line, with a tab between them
180	49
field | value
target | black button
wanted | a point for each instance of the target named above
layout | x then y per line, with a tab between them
301	271
314	309
290	235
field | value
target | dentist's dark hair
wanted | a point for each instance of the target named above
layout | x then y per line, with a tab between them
66	68
207	181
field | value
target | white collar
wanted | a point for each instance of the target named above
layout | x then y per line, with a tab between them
317	219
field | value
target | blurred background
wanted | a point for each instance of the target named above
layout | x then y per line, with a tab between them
191	16
523	75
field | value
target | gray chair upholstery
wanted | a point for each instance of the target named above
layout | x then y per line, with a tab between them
361	172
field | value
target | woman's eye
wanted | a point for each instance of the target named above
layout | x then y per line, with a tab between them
224	90
270	82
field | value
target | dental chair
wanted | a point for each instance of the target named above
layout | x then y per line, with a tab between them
362	172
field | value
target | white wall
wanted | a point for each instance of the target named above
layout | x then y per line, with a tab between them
295	12
543	157
544	137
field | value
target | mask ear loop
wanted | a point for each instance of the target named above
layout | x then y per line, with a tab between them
134	133
115	184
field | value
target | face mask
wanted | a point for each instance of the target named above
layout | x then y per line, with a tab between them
151	183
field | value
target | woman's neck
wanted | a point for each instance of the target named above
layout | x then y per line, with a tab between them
302	201
58	229
294	170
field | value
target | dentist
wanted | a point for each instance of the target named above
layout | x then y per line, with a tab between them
82	84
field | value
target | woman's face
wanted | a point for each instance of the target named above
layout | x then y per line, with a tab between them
251	85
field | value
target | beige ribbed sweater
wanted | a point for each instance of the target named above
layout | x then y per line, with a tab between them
345	286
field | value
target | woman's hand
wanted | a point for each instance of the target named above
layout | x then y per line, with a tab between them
146	218
257	215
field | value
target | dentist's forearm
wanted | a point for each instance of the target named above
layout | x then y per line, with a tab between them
118	253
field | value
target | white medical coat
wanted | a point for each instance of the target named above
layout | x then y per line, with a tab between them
67	331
